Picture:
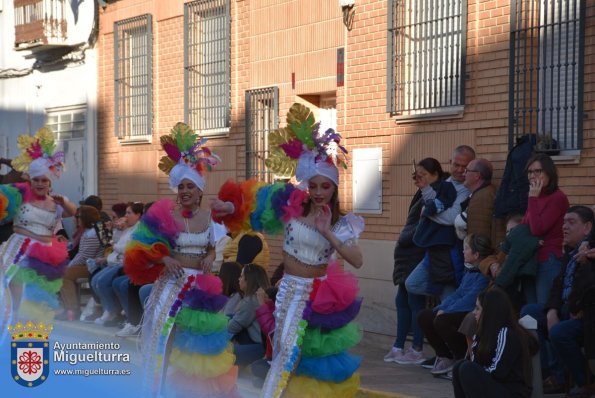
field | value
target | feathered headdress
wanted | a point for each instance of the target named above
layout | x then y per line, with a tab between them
39	156
301	148
186	157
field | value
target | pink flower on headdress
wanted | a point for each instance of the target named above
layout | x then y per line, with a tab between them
172	151
35	150
293	148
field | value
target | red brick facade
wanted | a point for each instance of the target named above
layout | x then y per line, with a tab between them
271	39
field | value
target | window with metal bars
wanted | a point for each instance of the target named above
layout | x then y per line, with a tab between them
547	40
426	57
262	117
67	122
207	71
133	71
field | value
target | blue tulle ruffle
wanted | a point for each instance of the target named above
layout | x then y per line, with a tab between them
36	294
207	344
336	368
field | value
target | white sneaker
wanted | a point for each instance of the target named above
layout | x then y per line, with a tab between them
394	354
129	330
106	316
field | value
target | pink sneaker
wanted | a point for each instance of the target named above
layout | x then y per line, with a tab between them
411	357
442	366
393	355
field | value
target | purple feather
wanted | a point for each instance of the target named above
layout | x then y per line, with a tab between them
337	319
50	272
198	299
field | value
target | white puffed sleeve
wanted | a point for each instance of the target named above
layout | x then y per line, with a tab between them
349	228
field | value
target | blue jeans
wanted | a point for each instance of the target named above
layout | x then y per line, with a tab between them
120	286
102	286
547	355
144	293
408	305
418	281
565	337
547	271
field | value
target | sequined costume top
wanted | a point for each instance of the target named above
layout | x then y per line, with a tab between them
308	246
36	220
195	243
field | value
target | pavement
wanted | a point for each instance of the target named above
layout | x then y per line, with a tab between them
378	378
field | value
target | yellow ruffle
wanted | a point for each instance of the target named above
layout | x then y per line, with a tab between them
35	312
205	366
307	387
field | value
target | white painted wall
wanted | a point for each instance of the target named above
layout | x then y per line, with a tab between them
24	100
378	313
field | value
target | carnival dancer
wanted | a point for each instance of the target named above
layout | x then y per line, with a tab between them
186	347
33	259
316	301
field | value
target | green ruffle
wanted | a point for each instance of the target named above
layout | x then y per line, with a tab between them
24	275
318	343
201	322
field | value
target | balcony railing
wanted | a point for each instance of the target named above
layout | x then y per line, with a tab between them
39	23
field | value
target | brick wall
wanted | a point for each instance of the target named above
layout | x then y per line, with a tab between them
271	39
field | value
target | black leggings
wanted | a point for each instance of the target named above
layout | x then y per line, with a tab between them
470	380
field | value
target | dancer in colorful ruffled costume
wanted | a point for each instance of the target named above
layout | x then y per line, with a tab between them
186	347
316	301
33	258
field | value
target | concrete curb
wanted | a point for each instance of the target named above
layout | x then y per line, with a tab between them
367	393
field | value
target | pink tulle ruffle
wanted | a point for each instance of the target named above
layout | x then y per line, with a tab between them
209	283
336	292
54	254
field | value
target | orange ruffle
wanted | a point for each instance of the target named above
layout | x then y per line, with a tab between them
141	262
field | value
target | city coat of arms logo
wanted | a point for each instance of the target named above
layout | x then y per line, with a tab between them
30	353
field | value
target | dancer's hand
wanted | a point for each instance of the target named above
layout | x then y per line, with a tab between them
207	264
221	208
173	266
59	199
323	220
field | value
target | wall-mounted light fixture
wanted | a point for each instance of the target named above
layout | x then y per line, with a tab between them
348	12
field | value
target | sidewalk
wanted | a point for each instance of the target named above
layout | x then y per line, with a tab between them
379	379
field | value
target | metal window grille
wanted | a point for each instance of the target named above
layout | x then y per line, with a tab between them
426	53
133	64
262	117
67	123
547	44
207	71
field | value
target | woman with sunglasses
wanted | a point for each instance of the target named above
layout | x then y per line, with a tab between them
545	216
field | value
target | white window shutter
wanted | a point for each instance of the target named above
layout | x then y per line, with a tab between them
367	180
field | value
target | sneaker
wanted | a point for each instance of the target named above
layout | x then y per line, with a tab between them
394	354
129	330
428	363
104	318
411	357
442	366
119	321
446	376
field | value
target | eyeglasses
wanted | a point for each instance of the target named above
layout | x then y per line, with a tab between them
535	172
